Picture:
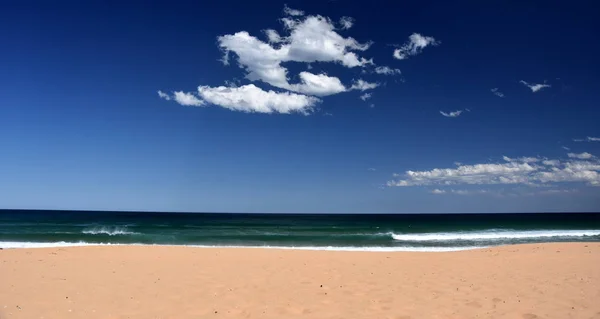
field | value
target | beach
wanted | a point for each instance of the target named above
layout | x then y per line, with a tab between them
550	280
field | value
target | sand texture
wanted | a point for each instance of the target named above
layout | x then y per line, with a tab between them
524	281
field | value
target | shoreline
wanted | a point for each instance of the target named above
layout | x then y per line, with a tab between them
554	280
381	249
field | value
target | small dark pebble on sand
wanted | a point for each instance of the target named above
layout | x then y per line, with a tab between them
321	286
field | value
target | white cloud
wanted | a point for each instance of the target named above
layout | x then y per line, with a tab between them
371	105
292	12
346	22
587	139
164	95
565	148
584	155
386	70
317	84
497	92
524	170
551	162
521	159
535	87
311	39
371	169
438	191
452	114
187	99
415	44
366	96
249	98
273	36
362	85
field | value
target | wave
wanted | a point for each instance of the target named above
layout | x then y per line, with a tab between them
326	248
110	231
495	235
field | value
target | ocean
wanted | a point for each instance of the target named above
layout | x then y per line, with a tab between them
367	232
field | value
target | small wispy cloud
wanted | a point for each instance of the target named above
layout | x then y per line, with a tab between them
565	148
363	85
438	191
346	22
535	87
371	105
557	192
497	93
371	169
415	45
164	95
386	70
456	113
366	96
272	35
187	99
292	12
587	139
584	155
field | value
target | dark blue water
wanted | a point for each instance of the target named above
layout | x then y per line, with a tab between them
344	232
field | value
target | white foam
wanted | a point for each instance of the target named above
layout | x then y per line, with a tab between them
491	235
17	244
328	248
110	231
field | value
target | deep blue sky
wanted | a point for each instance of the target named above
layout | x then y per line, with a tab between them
82	125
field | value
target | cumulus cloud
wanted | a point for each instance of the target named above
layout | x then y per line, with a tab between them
164	95
304	39
366	96
452	114
346	22
311	39
535	87
386	70
187	99
513	171
584	155
363	85
587	139
292	12
317	84
415	45
497	93
249	98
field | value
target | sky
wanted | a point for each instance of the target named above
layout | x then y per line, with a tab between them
300	106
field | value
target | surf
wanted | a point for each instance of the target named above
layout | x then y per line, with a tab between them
494	235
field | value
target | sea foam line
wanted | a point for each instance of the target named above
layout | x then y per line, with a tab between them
110	231
8	245
490	235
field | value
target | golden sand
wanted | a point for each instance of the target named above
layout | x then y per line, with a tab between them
523	281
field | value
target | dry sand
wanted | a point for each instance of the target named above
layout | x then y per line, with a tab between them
525	281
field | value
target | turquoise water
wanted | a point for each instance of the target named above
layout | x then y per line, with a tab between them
338	232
